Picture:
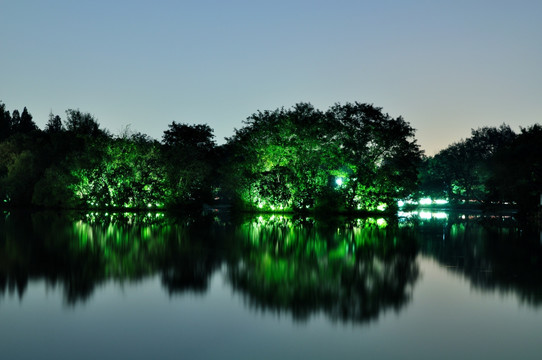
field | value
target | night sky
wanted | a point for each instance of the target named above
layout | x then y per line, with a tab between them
445	66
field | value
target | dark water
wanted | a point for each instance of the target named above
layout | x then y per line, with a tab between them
140	286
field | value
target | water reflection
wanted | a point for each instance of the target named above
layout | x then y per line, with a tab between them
351	270
494	253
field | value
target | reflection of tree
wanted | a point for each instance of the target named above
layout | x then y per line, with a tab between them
348	270
190	261
81	254
351	272
494	254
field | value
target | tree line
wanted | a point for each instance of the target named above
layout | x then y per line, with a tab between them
495	166
351	157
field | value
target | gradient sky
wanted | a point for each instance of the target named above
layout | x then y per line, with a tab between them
445	66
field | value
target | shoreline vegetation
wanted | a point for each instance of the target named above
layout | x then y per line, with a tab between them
349	159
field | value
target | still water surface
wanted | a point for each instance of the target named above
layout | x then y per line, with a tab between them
139	286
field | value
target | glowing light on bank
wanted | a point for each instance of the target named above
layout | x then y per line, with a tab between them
425	201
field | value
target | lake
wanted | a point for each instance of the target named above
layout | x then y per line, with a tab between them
421	285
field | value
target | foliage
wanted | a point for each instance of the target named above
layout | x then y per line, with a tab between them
188	154
127	174
351	157
380	151
54	124
462	170
23	161
5	122
81	123
517	174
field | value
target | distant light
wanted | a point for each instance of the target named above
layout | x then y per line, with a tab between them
381	222
149	205
441	201
339	181
425	201
400	203
381	207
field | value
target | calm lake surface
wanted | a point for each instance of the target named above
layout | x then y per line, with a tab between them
140	286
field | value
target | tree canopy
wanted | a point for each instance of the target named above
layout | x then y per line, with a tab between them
351	157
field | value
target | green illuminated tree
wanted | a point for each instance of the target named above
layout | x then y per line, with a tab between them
351	157
128	173
281	159
380	153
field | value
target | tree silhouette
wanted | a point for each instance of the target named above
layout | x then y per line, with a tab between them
26	124
54	124
5	122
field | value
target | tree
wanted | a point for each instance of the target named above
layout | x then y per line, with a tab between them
81	123
5	122
189	154
189	136
518	170
22	162
277	160
465	168
26	124
15	120
351	157
54	124
380	152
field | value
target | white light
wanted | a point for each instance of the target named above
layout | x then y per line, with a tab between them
407	214
339	181
426	215
425	201
441	201
381	207
440	215
400	203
